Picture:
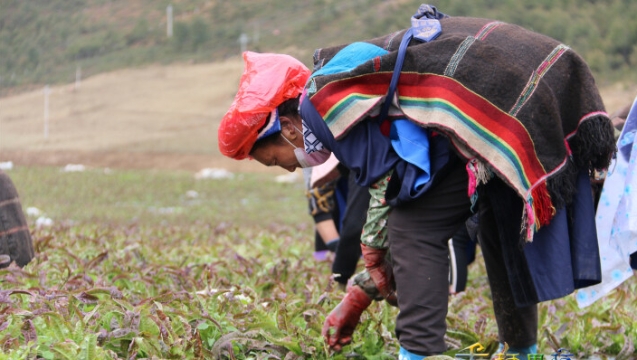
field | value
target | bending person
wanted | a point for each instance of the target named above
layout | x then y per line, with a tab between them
479	115
338	206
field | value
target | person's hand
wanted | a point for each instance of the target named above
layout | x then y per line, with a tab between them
340	323
381	272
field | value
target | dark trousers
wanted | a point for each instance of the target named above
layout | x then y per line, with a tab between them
462	250
349	247
418	234
517	326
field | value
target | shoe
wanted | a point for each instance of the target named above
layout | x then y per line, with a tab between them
404	354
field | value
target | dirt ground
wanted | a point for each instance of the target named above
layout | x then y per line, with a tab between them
124	160
150	118
158	117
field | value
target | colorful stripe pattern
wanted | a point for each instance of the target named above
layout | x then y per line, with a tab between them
343	103
537	75
441	102
466	44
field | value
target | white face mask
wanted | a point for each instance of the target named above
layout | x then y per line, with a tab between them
313	159
308	160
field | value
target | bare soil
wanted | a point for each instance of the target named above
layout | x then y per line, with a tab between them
154	117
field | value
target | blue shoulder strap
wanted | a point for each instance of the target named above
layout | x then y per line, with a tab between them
425	26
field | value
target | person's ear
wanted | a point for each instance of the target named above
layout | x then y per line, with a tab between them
287	128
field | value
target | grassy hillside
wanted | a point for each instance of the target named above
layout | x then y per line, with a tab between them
49	41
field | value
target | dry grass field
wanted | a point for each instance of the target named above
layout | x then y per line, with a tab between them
155	117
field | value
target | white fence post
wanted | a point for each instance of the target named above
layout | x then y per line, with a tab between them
243	41
169	21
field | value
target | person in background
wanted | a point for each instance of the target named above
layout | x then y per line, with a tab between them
15	239
326	192
618	118
334	208
338	206
616	224
462	252
440	120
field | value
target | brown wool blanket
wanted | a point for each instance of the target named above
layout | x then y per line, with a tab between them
514	103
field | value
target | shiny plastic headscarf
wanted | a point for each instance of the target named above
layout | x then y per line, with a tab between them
267	81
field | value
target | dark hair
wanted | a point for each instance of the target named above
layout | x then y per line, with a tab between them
288	108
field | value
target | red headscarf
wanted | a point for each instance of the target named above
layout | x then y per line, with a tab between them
268	80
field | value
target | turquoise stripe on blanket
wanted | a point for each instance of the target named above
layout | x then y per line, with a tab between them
350	57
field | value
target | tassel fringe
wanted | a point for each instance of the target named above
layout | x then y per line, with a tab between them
478	174
542	205
538	210
528	225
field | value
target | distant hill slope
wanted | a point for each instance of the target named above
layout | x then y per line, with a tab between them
153	117
147	101
52	41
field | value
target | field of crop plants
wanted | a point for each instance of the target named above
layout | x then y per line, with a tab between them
156	264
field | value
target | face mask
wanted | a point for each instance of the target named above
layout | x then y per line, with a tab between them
313	159
308	160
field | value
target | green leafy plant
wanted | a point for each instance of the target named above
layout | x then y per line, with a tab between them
173	288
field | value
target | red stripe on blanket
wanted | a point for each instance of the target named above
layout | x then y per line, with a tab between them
498	122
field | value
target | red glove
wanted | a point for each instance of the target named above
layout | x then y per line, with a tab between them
381	272
344	318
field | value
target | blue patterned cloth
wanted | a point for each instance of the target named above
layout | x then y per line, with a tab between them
615	218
